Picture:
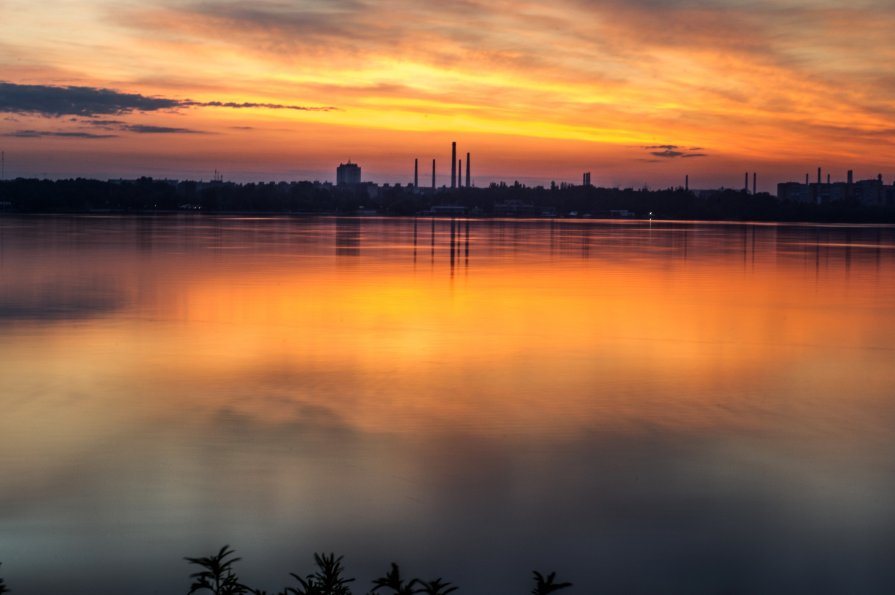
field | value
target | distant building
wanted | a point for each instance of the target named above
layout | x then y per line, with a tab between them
871	192
514	208
348	174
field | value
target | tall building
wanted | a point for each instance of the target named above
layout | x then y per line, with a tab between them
348	174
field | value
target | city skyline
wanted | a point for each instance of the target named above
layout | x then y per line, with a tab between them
639	93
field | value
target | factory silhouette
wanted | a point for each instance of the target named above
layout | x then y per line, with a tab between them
349	174
871	192
869	200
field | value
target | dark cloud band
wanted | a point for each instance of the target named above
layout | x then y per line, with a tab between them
53	101
45	133
146	129
673	151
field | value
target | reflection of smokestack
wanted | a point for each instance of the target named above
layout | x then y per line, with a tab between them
467	171
433	174
453	165
416	174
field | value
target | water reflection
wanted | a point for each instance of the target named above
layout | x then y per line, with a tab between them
643	407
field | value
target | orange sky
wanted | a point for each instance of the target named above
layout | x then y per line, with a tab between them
637	92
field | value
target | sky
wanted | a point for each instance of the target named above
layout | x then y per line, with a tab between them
637	92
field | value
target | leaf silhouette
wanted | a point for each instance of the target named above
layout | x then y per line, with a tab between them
392	580
328	579
543	585
436	587
3	587
217	574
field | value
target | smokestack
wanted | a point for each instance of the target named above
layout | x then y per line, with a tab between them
459	173
754	181
806	179
828	179
851	177
467	170
453	165
880	178
416	174
817	188
433	174
747	183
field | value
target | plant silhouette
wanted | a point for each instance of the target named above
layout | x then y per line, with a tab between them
328	579
3	587
217	575
436	587
543	586
392	580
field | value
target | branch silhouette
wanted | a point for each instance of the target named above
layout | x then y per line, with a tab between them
328	579
217	574
393	581
543	585
3	587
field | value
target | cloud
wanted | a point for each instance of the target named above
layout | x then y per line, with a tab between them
48	100
249	104
667	153
110	125
146	129
103	123
55	101
673	152
46	133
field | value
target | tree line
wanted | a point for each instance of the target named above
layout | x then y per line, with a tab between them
216	574
148	195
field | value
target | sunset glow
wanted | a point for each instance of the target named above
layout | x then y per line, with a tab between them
536	92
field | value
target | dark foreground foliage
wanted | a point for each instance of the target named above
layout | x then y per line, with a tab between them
218	577
3	587
217	574
543	585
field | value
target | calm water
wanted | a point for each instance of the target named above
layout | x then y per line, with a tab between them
665	408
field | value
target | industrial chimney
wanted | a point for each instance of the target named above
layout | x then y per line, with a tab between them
467	171
453	165
416	174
